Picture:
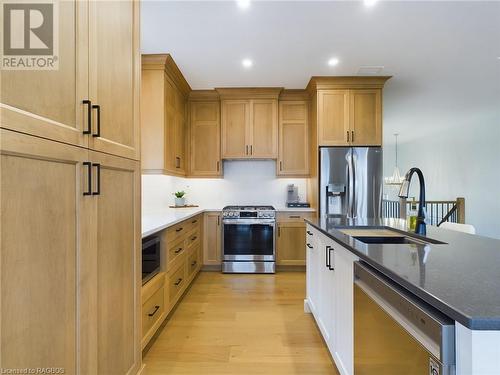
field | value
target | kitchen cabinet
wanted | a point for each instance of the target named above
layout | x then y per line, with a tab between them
330	277
164	93
333	118
92	100
154	297
293	138
212	239
204	138
249	123
75	243
290	245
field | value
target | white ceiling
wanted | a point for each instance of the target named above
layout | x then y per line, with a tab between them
416	42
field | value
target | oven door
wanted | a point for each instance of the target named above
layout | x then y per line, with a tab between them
248	240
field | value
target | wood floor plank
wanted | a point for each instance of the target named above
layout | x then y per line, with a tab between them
241	325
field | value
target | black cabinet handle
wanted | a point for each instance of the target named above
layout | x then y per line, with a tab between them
294	216
329	250
155	310
218	166
309	246
281	165
178	250
89	177
98	133
194	221
326	257
194	263
348	136
98	175
89	116
194	238
352	135
178	282
178	230
309	232
251	149
177	162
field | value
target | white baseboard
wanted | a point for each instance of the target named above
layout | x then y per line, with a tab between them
307	309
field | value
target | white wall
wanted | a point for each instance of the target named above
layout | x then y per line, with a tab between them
244	182
450	129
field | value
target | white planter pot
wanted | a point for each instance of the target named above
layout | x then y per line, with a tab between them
180	201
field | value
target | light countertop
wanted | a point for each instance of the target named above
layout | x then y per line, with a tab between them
159	219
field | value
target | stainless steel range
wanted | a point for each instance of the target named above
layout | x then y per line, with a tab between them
248	239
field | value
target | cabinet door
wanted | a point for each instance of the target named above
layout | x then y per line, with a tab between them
45	255
114	76
48	103
365	117
264	129
311	272
117	254
333	117
235	125
212	239
293	138
344	310
170	126
291	244
180	133
205	139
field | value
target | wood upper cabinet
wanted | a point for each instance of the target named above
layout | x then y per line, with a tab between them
333	117
212	239
293	154
48	103
117	255
204	139
249	123
365	117
163	116
235	128
53	104
348	110
263	140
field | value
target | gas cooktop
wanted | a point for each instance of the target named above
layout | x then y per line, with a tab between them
248	208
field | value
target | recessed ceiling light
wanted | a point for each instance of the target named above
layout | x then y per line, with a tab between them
333	61
369	3
247	63
243	4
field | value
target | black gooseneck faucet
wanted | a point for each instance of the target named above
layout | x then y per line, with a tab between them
404	191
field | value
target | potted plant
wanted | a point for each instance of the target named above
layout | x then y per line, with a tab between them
180	200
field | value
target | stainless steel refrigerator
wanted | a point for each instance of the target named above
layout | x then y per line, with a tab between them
351	181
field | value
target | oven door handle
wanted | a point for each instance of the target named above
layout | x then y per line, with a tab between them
248	222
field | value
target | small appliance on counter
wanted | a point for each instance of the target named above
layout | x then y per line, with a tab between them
292	197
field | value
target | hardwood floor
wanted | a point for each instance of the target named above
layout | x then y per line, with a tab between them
239	325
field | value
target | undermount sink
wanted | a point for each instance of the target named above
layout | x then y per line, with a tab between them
386	236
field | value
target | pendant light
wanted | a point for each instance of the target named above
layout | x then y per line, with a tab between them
396	178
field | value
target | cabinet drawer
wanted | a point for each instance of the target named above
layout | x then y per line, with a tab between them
291	216
194	222
193	262
193	238
152	310
175	250
176	282
177	230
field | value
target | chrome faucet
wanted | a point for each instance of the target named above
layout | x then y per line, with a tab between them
404	191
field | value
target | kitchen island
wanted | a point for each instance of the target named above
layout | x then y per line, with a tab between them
455	273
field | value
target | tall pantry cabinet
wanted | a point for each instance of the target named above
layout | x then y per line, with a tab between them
70	199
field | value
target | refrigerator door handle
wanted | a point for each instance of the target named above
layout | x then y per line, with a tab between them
354	197
350	184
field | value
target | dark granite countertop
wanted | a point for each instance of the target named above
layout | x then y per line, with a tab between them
460	278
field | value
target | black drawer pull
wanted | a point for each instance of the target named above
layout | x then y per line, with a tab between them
178	250
294	216
89	177
155	310
178	230
98	174
194	238
98	107
309	233
178	282
194	221
89	117
194	263
309	246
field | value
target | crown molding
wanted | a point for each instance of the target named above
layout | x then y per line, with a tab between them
166	62
249	92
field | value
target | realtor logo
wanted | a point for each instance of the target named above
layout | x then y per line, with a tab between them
30	35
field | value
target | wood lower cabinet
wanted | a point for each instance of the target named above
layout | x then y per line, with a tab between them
117	253
212	251
70	258
293	154
290	245
204	139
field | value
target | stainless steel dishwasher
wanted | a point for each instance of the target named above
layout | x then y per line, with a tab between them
395	332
